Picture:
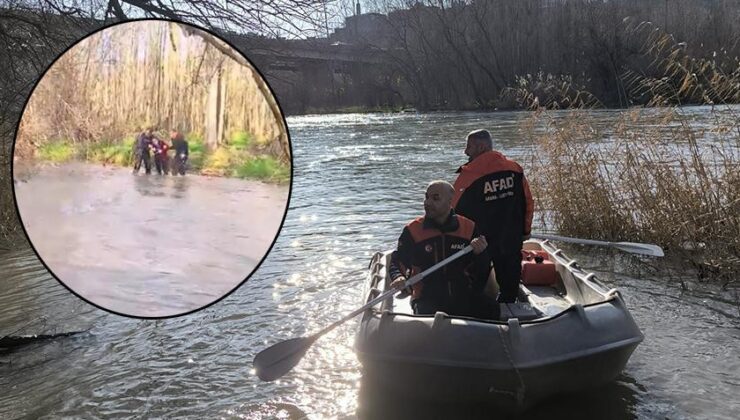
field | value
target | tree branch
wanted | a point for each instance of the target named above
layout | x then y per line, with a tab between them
117	10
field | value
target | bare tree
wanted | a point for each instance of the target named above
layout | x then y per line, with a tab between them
34	32
464	54
150	73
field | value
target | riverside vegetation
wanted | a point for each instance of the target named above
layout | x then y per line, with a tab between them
239	156
668	180
672	181
95	99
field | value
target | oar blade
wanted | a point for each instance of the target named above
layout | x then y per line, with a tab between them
278	359
645	249
632	247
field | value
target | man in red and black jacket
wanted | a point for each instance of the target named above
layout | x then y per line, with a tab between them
456	288
493	191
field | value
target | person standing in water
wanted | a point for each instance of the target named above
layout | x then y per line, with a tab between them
142	144
181	152
160	148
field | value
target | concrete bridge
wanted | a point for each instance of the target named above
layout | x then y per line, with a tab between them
317	74
307	74
317	49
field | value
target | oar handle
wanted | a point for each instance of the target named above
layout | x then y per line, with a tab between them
411	281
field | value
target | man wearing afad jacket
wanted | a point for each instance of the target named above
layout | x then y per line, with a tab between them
492	191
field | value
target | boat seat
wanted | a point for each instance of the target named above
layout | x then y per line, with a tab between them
546	299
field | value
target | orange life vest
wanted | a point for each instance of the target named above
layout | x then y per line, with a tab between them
432	245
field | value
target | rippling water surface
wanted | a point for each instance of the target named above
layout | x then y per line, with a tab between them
148	245
358	179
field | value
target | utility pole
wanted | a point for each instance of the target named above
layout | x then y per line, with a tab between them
326	22
665	17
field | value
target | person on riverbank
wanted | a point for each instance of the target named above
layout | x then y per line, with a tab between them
142	146
492	191
458	288
181	152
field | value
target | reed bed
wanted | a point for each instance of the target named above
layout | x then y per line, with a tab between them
666	175
677	187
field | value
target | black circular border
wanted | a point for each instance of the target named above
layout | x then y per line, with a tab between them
290	188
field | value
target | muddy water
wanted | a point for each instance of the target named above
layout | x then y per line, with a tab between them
358	179
148	245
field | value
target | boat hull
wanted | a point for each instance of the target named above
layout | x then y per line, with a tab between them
513	363
499	387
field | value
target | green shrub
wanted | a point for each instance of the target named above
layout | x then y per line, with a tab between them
118	153
129	142
57	151
219	162
264	168
196	144
195	160
240	140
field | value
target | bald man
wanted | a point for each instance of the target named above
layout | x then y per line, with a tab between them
457	288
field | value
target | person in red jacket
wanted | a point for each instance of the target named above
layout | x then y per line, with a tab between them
161	160
492	191
457	288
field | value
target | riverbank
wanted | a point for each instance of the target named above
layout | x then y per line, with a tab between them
510	105
240	157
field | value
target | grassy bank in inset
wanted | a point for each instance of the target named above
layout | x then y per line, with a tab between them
58	151
236	160
240	157
116	153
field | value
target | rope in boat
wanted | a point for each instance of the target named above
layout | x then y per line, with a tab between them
519	393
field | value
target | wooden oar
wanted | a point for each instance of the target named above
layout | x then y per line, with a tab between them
635	248
278	359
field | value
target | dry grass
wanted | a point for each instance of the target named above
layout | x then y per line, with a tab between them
656	175
683	79
678	187
547	91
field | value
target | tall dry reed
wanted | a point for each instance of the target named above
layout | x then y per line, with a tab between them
666	175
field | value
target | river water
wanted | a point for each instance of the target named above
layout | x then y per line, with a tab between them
148	245
357	180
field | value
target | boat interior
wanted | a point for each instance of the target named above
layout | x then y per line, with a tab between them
550	284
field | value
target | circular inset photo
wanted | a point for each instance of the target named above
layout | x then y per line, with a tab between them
152	168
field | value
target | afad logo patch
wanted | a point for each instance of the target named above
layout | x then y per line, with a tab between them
428	248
